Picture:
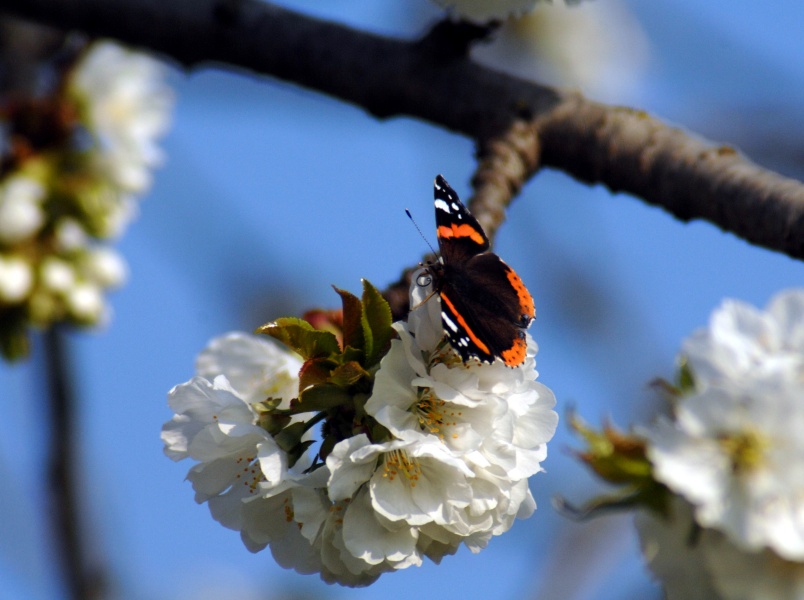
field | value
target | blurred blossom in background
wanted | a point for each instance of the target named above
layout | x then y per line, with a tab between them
79	155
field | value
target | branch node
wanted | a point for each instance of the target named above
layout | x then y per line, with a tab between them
451	40
505	163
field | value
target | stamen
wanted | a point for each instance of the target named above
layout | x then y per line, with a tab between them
397	462
288	510
746	449
253	474
434	414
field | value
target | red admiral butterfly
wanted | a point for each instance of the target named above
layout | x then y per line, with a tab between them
485	307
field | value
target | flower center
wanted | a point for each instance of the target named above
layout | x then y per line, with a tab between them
250	474
397	462
433	413
746	449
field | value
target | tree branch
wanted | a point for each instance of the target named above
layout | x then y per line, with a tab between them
625	150
82	581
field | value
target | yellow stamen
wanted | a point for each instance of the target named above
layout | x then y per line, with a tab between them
434	415
746	450
398	462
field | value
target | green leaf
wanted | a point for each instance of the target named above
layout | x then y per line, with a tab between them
352	354
302	337
376	321
686	379
298	452
352	311
290	436
315	371
615	456
322	397
654	496
327	445
348	374
272	422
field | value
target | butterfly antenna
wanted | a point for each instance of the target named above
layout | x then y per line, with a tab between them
416	225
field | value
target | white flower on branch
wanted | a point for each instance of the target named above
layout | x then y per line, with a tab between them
16	278
734	449
489	414
254	367
695	563
494	419
745	342
436	456
126	104
21	211
78	153
674	548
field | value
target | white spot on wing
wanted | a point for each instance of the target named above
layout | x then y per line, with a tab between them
441	205
448	322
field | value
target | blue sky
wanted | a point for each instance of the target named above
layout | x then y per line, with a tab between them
271	193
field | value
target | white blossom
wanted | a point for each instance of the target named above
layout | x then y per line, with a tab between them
105	266
673	546
256	368
734	448
743	341
21	211
213	425
69	235
599	47
16	278
85	303
56	275
442	459
241	472
127	105
414	479
490	423
694	563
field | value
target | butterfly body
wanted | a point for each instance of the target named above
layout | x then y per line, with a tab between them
485	307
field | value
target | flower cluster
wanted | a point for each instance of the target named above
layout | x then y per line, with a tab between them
417	452
722	489
734	450
74	160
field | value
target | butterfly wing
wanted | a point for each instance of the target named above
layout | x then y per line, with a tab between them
485	309
459	234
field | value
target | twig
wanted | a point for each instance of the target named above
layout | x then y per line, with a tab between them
624	149
505	164
82	583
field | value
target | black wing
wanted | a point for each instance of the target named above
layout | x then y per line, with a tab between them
459	234
485	308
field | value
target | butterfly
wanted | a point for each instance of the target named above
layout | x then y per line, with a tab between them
485	307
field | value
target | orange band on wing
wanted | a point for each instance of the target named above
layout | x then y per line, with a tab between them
463	324
461	231
515	355
525	299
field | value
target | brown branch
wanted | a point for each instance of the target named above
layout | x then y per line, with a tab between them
82	582
623	149
505	163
